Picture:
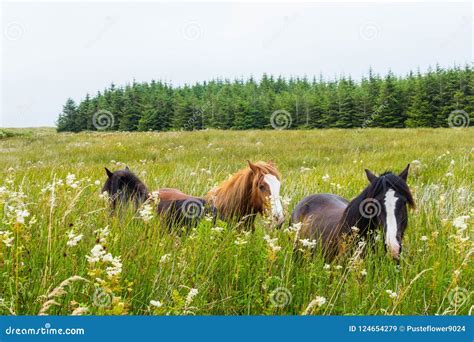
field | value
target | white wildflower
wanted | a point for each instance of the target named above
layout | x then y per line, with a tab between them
70	179
97	182
96	254
116	267
146	213
318	301
156	303
460	222
272	243
73	239
285	201
192	293
217	229
308	243
107	257
7	238
363	272
102	233
326	266
424	238
240	241
21	214
295	227
355	229
165	258
391	294
325	178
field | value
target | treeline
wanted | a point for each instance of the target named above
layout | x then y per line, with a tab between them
415	100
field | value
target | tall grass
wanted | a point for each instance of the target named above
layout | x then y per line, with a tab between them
53	216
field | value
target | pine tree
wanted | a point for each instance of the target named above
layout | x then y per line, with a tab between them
418	113
67	118
389	110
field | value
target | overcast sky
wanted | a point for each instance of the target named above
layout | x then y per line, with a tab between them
52	51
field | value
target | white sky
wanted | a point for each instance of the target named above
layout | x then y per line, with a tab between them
52	51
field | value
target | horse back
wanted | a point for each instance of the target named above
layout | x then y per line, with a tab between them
170	194
320	216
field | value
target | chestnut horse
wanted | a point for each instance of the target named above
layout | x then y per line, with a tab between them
251	191
383	203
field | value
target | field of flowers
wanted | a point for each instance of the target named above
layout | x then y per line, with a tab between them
62	253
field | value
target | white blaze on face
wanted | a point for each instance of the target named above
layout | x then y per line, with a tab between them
277	208
391	234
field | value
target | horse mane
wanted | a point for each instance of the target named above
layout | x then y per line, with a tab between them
233	196
352	215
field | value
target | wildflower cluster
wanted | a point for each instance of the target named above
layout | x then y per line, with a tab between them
106	270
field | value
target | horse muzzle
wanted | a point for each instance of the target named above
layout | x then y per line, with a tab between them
279	220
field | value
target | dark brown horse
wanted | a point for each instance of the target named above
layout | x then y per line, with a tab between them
123	186
174	207
251	191
383	203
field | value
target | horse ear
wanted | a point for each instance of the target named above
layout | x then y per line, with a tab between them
126	168
370	176
109	173
252	166
404	174
271	162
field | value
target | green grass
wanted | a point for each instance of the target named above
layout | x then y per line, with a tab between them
434	277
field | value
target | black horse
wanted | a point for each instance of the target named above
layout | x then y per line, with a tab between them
383	203
124	186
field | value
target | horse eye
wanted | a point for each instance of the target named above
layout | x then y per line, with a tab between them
262	187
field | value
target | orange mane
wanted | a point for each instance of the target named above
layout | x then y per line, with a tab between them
234	198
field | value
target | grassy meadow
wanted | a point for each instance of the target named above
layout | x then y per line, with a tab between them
62	253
